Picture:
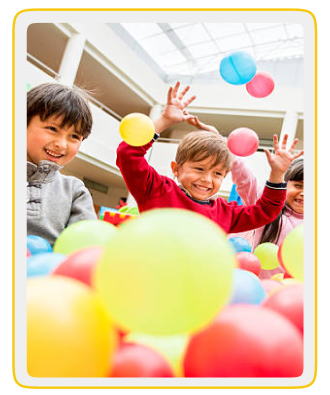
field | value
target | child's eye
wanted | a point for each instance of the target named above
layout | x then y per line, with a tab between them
52	128
199	168
76	136
218	174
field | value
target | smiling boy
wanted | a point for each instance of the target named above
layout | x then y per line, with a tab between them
202	161
58	120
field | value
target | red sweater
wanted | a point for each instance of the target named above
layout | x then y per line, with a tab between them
151	190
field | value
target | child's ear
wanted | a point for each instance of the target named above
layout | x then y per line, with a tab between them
174	167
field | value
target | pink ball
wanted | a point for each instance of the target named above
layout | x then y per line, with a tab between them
261	85
243	142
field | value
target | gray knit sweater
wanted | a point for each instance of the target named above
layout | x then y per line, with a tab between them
54	200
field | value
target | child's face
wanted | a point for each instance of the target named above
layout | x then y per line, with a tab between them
201	179
46	140
295	196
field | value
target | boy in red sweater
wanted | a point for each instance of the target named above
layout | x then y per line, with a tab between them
202	161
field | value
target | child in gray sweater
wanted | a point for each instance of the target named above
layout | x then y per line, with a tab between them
58	120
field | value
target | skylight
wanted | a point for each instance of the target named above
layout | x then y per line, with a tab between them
192	49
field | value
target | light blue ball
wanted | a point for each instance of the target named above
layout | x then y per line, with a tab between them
43	264
246	288
238	68
38	245
239	244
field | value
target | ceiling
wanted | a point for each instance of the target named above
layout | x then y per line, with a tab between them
195	49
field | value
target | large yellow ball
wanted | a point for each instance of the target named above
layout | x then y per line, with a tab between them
137	129
68	331
168	271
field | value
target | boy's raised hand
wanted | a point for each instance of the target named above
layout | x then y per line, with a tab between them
200	125
282	158
176	104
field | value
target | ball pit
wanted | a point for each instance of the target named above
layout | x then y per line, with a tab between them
267	254
123	309
38	245
43	264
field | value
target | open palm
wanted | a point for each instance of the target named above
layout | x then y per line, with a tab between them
176	104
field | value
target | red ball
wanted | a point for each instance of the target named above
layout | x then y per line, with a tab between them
28	253
289	301
246	341
261	85
136	360
248	261
279	258
80	264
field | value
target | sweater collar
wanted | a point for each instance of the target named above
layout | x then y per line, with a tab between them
289	212
43	172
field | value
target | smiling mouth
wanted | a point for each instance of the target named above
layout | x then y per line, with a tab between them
201	188
53	154
299	201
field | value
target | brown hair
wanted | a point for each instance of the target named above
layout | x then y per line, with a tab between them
199	145
51	99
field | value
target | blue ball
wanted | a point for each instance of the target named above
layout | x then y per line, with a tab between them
238	68
43	264
37	245
246	288
239	244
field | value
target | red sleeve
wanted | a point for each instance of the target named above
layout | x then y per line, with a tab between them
139	176
266	209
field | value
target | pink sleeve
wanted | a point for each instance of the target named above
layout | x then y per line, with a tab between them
245	181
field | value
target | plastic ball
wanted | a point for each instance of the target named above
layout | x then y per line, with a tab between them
243	142
80	264
167	272
239	244
135	360
28	253
172	347
38	245
292	253
289	301
137	129
43	264
82	234
246	288
68	330
248	261
246	341
261	85
267	254
238	68
270	286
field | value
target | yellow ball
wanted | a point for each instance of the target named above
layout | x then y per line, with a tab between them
137	129
68	331
292	253
267	254
169	271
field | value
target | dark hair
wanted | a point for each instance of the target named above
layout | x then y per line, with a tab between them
51	99
272	231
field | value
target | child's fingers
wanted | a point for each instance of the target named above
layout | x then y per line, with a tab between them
175	89
298	154
295	142
268	154
186	89
187	102
169	95
275	142
284	141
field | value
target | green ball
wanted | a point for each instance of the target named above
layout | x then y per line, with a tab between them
168	271
85	233
267	254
